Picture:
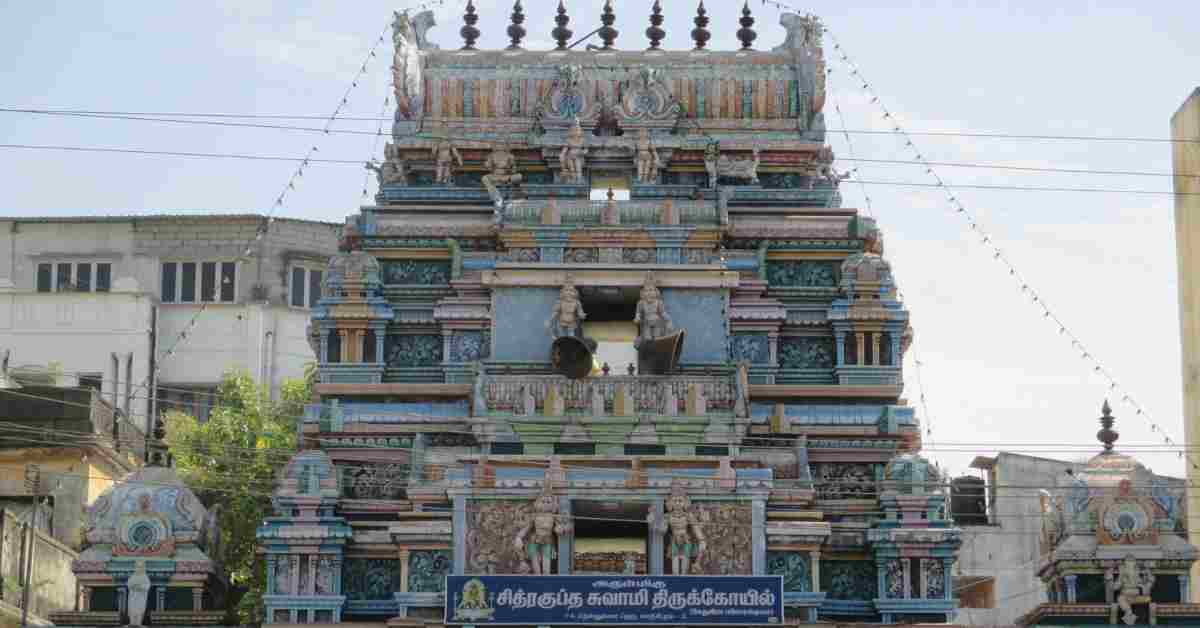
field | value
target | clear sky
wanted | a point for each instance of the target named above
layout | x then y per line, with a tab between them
995	374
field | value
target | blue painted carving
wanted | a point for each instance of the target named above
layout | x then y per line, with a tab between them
522	314
469	346
893	580
806	352
370	578
375	481
408	350
795	569
783	180
537	177
702	313
935	578
427	570
419	272
849	579
802	274
753	348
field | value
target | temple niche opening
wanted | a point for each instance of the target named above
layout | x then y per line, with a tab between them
674	215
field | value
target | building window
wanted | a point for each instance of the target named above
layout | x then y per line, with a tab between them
203	282
305	287
74	277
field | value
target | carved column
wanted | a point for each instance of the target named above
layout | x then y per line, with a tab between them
404	570
311	589
460	535
344	341
85	602
380	334
271	558
860	347
948	574
197	599
446	357
815	559
324	357
566	542
1071	580
655	563
336	566
773	348
841	347
875	349
1184	588
894	337
758	523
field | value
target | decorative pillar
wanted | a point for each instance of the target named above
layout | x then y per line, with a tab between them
404	570
1070	580
197	599
294	575
566	542
773	348
948	574
446	358
324	357
881	578
814	558
875	349
380	333
860	346
271	559
85	601
336	566
460	535
758	523
841	347
894	337
1184	587
311	589
655	563
343	340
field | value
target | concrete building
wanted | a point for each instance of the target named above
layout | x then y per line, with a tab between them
108	298
1185	125
1005	547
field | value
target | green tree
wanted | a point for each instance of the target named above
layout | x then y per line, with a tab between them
233	459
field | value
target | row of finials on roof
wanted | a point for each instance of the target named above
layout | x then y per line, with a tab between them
562	34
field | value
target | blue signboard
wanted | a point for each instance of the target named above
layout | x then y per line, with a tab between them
643	600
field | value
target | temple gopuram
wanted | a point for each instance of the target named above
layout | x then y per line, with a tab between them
608	349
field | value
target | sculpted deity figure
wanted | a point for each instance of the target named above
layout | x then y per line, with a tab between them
406	67
445	155
1130	585
647	158
503	170
536	539
803	32
651	316
566	319
718	165
393	170
572	154
138	586
685	538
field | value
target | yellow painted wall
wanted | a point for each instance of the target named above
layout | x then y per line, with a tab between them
1185	125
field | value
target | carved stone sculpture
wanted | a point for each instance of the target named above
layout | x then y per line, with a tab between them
1132	586
445	155
566	319
648	164
536	540
718	165
651	316
138	586
573	155
393	170
406	68
503	170
685	538
803	32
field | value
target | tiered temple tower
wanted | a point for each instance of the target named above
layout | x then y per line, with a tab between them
699	373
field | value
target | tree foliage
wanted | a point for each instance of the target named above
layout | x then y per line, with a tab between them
233	459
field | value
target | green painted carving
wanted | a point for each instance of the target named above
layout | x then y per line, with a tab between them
370	578
801	352
456	259
427	570
408	350
849	579
794	567
783	180
418	272
802	274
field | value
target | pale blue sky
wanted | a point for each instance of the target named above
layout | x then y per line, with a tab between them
995	372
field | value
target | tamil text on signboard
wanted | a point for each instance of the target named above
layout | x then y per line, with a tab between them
559	600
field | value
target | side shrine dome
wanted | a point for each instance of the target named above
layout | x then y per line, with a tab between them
150	513
911	473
